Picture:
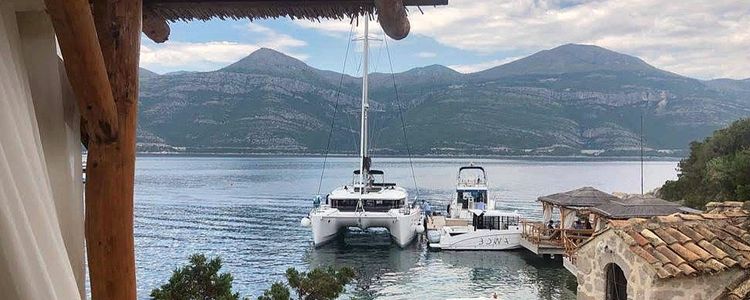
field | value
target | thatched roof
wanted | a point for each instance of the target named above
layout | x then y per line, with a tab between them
186	10
639	206
583	197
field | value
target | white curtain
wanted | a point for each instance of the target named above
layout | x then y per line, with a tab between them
569	217
546	212
38	215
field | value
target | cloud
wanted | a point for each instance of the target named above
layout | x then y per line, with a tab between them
211	55
335	28
426	54
173	56
471	68
704	39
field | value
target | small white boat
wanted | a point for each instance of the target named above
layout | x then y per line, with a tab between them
472	222
489	230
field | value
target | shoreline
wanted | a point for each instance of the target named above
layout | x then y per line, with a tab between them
434	156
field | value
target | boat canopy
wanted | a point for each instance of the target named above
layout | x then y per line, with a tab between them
494	213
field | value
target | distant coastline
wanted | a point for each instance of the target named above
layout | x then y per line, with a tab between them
428	156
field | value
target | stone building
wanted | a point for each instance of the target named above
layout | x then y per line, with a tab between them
679	256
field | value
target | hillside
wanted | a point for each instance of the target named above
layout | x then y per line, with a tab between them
558	101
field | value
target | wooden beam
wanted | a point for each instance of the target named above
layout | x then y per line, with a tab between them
111	167
392	17
155	27
84	64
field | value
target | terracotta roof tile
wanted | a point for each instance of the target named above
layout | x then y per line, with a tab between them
662	273
673	257
715	252
652	237
672	269
688	217
679	236
716	265
683	244
666	237
704	231
746	238
668	219
735	244
713	216
638	238
687	269
698	251
729	262
644	253
692	234
734	230
684	252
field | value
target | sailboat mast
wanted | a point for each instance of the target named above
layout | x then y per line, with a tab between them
363	129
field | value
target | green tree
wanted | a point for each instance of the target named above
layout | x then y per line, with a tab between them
199	280
717	169
318	284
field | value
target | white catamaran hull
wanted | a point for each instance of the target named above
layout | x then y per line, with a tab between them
482	239
327	223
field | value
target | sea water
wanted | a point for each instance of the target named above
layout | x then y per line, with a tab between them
247	210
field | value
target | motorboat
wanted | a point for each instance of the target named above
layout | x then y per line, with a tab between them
472	222
471	192
368	201
488	230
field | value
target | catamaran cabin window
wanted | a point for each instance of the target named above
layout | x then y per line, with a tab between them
369	204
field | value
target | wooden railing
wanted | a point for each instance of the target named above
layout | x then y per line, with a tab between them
538	233
568	239
572	238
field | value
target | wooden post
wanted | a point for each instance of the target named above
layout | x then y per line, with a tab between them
111	167
84	64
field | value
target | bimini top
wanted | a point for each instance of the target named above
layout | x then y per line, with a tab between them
478	182
494	213
583	197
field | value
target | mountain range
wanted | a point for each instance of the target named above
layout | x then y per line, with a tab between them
568	100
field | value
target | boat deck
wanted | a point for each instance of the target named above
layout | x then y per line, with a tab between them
438	222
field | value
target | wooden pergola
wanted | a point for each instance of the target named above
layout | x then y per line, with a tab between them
100	43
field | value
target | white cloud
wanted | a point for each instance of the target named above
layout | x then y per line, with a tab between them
206	56
335	28
426	54
697	38
172	56
471	68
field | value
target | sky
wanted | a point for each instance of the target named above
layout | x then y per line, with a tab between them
704	39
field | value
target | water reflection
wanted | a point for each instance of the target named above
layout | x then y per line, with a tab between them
417	273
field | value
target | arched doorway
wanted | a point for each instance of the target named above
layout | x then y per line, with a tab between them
617	284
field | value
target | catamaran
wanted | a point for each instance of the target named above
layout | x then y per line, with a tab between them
473	223
368	201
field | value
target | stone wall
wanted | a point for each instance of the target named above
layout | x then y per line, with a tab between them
643	283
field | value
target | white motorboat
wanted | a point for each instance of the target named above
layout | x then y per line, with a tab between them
473	223
471	192
368	201
489	230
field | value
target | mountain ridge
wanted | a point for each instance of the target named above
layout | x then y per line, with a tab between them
587	100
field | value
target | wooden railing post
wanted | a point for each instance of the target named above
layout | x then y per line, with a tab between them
111	167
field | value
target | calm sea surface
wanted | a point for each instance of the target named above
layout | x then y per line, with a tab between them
247	210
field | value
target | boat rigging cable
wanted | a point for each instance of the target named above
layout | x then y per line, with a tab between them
335	108
401	115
